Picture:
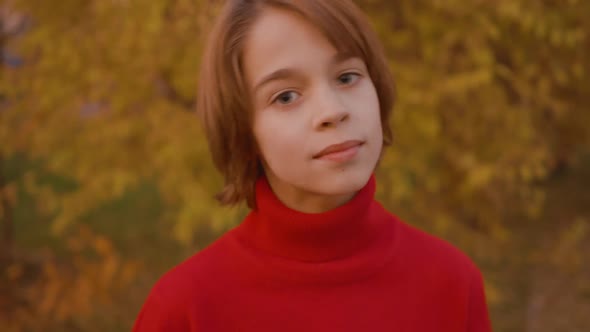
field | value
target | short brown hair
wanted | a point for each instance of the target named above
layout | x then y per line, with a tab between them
223	102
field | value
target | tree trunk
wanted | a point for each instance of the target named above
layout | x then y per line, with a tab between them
6	220
6	217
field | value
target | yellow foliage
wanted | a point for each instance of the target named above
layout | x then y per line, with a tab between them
491	102
63	291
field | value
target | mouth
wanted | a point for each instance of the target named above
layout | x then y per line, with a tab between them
341	151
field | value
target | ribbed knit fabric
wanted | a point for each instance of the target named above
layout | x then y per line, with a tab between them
354	268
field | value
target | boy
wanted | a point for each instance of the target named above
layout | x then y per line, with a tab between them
295	97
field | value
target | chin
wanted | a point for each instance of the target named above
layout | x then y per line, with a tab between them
342	183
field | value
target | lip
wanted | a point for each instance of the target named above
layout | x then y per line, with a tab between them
341	151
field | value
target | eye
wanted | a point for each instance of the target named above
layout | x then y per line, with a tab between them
286	97
348	78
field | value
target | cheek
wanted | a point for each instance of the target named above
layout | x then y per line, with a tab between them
277	139
366	102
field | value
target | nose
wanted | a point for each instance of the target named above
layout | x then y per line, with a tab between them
330	111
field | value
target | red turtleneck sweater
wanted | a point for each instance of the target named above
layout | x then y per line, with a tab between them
354	268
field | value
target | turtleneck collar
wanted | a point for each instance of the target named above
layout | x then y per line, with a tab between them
311	237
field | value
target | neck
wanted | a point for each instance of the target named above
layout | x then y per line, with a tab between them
306	201
340	232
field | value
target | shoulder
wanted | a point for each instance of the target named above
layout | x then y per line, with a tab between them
434	256
440	276
183	289
194	272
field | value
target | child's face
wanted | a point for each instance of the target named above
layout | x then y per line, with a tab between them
307	97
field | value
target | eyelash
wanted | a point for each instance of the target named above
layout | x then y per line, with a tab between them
355	74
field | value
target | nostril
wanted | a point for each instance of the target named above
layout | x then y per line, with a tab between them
333	120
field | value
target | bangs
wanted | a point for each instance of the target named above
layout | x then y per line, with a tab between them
336	20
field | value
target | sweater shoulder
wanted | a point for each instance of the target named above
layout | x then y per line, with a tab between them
434	253
192	276
184	289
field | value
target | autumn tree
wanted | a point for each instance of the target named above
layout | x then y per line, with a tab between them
491	105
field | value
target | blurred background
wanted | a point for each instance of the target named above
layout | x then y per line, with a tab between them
106	182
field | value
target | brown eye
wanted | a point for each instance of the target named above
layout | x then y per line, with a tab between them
348	78
286	97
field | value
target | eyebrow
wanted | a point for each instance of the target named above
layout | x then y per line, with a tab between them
283	73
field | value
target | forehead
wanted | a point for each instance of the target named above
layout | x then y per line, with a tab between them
279	37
